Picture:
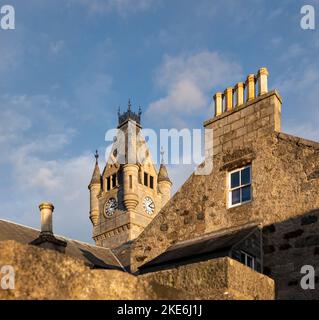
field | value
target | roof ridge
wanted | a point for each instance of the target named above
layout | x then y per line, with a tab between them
298	140
56	235
19	224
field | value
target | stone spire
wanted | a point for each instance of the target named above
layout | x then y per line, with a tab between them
163	174
96	176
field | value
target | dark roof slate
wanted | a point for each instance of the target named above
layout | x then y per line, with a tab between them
217	244
93	256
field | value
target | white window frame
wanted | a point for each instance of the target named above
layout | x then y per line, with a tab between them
230	190
250	256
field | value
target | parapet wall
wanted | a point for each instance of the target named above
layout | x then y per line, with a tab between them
217	279
46	274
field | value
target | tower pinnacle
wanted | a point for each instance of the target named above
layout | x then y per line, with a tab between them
162	155
96	176
129	114
96	155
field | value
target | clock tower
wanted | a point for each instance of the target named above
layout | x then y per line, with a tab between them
130	192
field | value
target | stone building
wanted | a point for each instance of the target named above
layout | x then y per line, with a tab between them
260	176
223	235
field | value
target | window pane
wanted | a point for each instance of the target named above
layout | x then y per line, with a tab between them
245	176
234	180
108	183
243	258
235	197
145	179
246	193
113	180
151	182
249	261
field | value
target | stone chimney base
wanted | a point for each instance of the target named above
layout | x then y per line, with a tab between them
49	241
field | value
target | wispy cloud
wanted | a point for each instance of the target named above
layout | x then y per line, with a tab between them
123	7
33	141
188	81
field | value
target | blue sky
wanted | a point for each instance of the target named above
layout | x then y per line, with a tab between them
69	64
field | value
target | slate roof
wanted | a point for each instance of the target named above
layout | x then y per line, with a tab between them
214	245
93	256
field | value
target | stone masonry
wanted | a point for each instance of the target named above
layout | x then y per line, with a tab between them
285	184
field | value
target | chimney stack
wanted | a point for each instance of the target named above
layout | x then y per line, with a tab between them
242	115
46	211
46	238
234	97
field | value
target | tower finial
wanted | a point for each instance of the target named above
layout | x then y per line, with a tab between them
129	105
139	111
119	111
162	155
96	156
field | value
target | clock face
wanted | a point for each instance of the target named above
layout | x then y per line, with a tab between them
148	205
110	207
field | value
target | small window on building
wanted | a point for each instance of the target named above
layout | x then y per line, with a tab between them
114	180
247	259
108	183
240	186
131	182
151	182
145	179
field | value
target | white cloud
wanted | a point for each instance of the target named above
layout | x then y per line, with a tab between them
62	182
183	96
33	140
189	82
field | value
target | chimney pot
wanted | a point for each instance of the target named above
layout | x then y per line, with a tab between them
250	84
218	97
239	87
262	81
46	210
228	99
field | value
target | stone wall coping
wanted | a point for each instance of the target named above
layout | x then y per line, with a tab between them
298	140
243	106
220	275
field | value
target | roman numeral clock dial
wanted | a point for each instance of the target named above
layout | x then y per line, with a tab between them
110	207
148	205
